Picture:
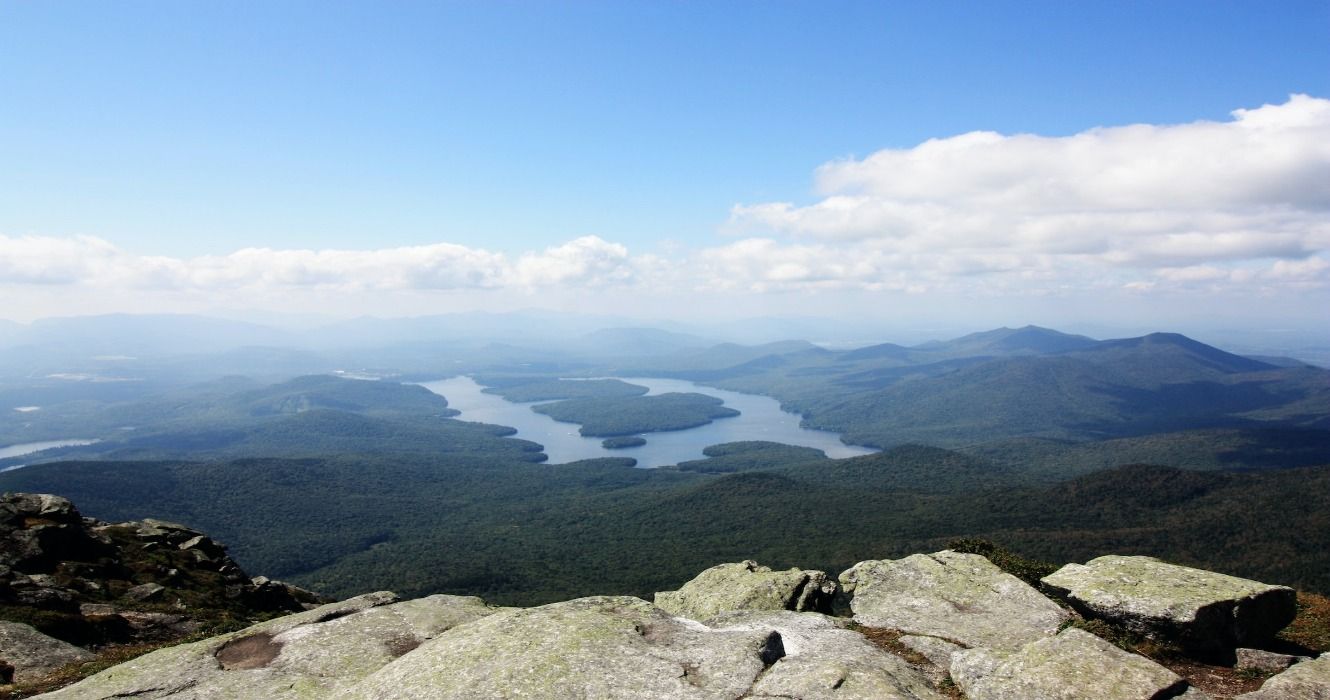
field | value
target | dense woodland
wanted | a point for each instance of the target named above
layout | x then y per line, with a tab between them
1058	447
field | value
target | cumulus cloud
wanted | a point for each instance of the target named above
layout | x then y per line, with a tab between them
46	260
1110	201
1242	204
584	262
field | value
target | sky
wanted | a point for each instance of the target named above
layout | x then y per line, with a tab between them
1158	165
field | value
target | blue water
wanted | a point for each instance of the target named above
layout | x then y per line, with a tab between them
760	418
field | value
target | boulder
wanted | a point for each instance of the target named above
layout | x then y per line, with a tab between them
607	647
145	592
1074	665
1265	661
961	598
32	655
1309	680
39	530
1200	609
318	653
825	660
748	586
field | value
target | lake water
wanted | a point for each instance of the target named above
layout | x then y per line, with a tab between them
28	448
760	418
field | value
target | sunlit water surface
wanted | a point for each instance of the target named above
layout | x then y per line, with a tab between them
760	418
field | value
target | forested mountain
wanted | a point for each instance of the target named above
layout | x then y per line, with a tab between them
1016	435
1033	383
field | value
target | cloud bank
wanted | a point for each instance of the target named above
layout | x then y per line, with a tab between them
1247	198
585	262
1239	206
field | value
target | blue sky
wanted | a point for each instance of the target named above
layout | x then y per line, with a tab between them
188	130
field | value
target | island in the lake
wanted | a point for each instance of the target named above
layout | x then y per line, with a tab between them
623	441
523	389
630	415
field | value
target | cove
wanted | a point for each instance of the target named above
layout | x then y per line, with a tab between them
760	418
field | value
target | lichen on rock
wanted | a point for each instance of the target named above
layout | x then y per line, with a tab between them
1073	664
963	598
748	585
1195	607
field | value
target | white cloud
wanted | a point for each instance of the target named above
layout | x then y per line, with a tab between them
1106	202
46	260
1239	207
587	261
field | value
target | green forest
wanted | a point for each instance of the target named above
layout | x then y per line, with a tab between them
1057	447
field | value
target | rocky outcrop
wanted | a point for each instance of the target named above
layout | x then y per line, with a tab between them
318	653
92	583
1260	660
603	647
823	659
1198	608
1309	680
54	559
374	648
27	655
1073	664
748	586
960	598
741	630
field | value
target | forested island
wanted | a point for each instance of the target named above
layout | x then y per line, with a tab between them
610	417
623	442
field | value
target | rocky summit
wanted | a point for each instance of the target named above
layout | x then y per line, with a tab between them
752	634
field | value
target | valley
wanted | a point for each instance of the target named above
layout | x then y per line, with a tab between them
1058	447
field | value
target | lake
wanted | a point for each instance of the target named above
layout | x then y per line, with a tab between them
28	448
760	418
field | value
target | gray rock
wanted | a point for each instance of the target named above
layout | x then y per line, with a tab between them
97	610
43	505
1309	680
748	586
145	592
937	651
1201	609
160	625
603	647
1268	661
32	654
825	660
319	653
962	598
1074	665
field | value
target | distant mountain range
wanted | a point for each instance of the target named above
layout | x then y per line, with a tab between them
1020	383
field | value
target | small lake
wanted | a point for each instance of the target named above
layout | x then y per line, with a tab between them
760	418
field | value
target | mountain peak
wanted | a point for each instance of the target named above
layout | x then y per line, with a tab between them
1207	355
